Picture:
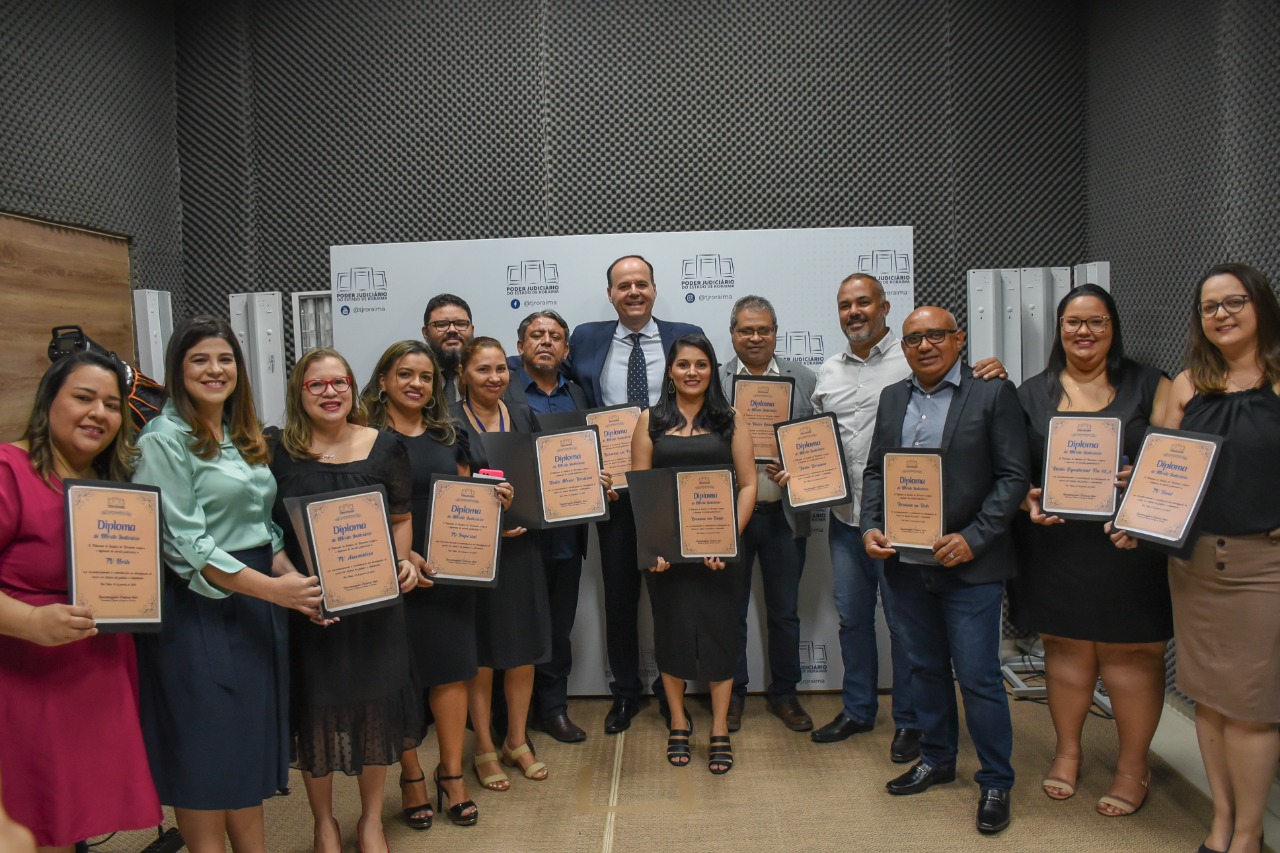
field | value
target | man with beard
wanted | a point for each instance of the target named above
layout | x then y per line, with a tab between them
849	384
446	327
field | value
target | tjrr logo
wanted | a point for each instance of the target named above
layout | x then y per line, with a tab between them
887	265
361	284
813	657
803	347
706	272
533	278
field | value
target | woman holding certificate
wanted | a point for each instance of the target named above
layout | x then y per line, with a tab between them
405	395
1100	612
355	707
214	681
68	694
513	619
1226	593
696	625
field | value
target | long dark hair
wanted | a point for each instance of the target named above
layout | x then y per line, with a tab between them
435	414
1204	360
715	416
115	462
238	412
1116	363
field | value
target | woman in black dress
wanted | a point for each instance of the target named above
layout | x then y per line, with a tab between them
513	619
405	395
696	627
1101	612
1226	590
355	708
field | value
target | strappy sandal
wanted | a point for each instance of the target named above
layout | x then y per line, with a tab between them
720	757
457	811
1052	783
496	782
417	817
537	771
1125	807
678	745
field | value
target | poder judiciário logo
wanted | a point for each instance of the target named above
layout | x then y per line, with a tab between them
887	265
803	347
361	289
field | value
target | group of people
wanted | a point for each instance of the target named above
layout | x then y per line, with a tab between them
247	676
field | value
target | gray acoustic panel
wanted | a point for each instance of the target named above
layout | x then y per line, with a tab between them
87	126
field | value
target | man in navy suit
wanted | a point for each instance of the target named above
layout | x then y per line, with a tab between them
622	361
948	597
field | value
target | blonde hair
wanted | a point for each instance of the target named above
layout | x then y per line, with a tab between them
296	436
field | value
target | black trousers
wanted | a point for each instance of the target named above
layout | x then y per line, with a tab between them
551	679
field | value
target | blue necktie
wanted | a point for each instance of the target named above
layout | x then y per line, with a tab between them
637	374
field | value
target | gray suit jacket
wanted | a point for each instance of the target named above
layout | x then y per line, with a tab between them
801	407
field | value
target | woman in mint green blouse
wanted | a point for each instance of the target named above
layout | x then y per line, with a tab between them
214	681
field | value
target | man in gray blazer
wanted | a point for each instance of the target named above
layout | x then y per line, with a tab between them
947	598
776	534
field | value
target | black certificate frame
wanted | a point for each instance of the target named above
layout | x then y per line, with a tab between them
149	625
658	528
1082	515
790	381
515	454
444	578
844	464
300	518
1188	529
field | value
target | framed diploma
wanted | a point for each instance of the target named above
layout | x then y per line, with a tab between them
913	499
1168	485
1081	458
764	402
464	531
346	543
114	564
555	475
616	425
692	513
811	452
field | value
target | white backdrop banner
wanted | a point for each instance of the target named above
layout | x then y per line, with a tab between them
380	290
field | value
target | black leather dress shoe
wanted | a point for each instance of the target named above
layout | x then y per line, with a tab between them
920	778
993	811
792	713
840	728
619	717
735	712
563	729
905	746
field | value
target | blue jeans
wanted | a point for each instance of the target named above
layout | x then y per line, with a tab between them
952	623
857	578
781	562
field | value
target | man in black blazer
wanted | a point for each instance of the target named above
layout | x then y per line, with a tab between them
948	599
622	361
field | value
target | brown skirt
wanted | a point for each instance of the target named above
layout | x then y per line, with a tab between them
1226	621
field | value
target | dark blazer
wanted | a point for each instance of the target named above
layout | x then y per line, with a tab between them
520	379
985	470
589	346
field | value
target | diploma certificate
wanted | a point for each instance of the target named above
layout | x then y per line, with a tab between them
569	475
764	402
464	533
913	515
1168	485
113	553
346	544
811	452
707	503
1081	458
616	424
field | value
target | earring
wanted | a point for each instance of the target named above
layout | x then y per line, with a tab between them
671	385
382	396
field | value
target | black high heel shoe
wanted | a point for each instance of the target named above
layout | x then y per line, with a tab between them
720	758
455	811
678	744
417	817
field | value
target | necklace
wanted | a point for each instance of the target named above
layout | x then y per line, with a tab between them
1245	386
331	457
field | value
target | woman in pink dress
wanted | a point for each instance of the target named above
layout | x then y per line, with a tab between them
70	742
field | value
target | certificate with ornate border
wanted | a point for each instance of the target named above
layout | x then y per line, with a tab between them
913	499
1168	485
114	564
1081	458
811	452
464	531
616	425
346	543
569	466
764	402
706	501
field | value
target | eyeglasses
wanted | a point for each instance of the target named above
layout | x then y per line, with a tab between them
340	385
446	325
763	332
1232	304
1097	325
933	336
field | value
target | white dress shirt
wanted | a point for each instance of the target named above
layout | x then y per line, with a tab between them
850	387
613	379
